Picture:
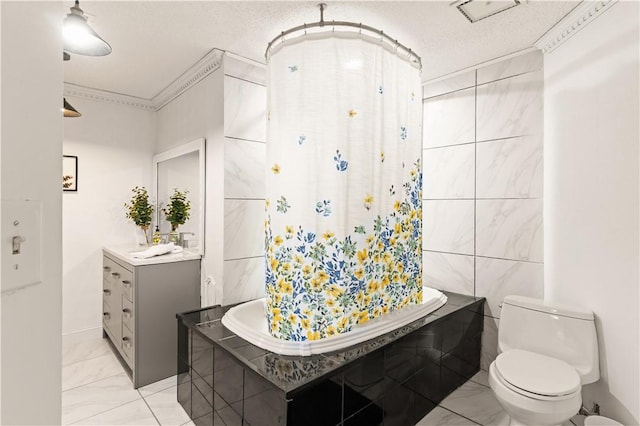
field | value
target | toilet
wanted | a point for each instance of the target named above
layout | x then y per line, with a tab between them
546	354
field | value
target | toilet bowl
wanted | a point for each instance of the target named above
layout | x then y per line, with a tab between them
535	389
546	354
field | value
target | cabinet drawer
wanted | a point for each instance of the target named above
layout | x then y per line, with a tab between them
112	322
128	313
108	293
120	275
122	279
128	345
108	266
127	286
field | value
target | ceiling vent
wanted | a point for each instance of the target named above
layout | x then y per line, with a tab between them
475	10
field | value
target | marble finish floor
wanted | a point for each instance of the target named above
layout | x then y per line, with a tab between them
97	391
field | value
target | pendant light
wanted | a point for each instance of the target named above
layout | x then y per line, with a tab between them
68	110
79	37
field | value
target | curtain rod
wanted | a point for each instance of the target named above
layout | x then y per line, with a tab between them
322	23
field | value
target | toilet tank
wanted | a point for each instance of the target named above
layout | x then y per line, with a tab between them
560	331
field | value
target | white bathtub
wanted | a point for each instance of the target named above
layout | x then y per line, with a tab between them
249	321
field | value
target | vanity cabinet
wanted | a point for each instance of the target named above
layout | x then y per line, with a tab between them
140	298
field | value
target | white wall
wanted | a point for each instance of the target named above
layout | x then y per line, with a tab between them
483	185
114	146
199	113
31	167
592	194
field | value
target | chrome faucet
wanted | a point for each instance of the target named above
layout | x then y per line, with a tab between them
181	241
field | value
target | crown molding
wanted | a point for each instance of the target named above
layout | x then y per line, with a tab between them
574	21
104	96
205	66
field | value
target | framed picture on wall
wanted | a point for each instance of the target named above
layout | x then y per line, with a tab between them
69	173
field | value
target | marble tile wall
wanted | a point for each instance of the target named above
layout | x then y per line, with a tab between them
483	179
244	168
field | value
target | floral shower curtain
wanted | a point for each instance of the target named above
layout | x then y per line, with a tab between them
344	185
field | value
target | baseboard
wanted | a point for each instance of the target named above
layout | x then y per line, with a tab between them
81	335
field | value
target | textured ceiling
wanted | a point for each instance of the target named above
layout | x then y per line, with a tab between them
154	42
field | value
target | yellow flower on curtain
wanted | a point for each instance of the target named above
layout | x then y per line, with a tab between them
363	255
368	201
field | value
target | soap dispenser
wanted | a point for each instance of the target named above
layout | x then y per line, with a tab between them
156	236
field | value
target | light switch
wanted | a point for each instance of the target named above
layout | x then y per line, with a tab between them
21	243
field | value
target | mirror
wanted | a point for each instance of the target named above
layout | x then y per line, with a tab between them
183	168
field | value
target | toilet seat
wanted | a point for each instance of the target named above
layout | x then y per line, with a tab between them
537	376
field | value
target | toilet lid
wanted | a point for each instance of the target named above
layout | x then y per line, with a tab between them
538	374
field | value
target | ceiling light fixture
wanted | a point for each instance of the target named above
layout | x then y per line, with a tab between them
79	37
476	10
68	110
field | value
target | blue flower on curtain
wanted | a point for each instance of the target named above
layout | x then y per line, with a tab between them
403	133
380	90
293	68
341	165
282	205
323	207
301	139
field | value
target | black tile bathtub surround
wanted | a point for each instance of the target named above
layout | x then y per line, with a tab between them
394	379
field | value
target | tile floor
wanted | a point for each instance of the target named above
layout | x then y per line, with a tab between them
97	391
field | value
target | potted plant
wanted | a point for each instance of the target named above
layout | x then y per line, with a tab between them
177	212
139	210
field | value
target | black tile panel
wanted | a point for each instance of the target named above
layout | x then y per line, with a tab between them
201	411
202	356
205	386
400	358
452	332
229	417
471	355
421	407
184	347
264	404
228	379
371	415
319	405
427	383
399	406
394	379
184	392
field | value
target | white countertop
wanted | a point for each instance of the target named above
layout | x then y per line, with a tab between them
124	253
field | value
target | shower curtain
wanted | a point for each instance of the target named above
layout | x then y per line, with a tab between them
343	228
